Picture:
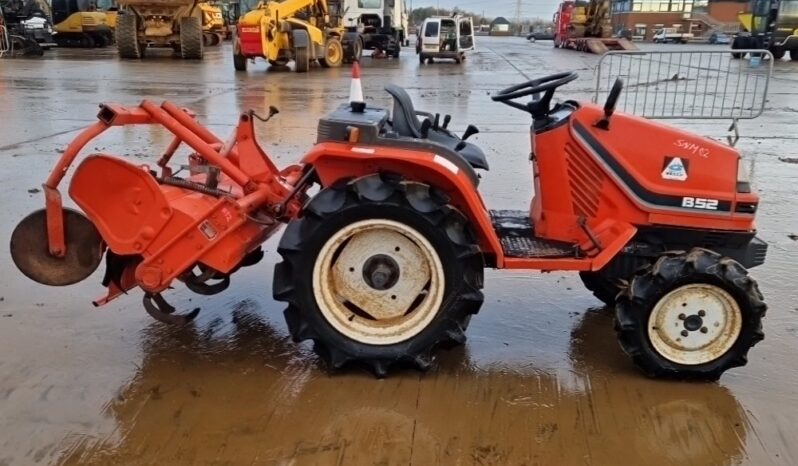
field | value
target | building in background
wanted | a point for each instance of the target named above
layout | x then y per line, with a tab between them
699	17
500	27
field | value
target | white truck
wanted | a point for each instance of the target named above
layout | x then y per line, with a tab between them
674	35
445	37
376	25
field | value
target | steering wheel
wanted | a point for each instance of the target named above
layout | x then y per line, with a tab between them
539	106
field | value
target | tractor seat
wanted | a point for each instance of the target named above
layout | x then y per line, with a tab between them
405	123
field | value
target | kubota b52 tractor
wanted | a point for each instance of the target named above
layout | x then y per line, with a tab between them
385	262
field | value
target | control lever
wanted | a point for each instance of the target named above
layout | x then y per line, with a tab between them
470	131
435	123
446	121
460	146
425	126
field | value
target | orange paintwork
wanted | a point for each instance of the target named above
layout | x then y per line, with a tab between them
571	184
580	196
173	228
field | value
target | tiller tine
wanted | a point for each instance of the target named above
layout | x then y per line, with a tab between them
160	310
200	284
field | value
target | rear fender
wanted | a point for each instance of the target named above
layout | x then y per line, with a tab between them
335	163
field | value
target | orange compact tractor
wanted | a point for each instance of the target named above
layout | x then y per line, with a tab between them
385	262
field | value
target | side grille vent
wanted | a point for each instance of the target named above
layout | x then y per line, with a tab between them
586	179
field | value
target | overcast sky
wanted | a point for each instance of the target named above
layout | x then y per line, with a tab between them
543	9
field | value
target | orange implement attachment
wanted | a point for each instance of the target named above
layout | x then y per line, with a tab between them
160	227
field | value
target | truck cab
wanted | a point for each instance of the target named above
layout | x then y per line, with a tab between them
445	37
380	24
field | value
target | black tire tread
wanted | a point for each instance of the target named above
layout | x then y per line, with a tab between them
127	44
604	289
380	191
191	38
674	269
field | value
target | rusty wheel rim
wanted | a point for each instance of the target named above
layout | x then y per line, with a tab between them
378	282
695	324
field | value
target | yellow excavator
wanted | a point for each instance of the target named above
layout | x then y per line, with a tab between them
214	26
301	31
79	23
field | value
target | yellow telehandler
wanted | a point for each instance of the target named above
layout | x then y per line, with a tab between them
302	31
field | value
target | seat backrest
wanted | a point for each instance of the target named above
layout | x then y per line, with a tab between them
405	122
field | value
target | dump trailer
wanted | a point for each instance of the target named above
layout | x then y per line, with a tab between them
771	25
585	26
175	24
378	25
301	31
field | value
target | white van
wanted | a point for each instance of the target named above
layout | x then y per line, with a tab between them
445	37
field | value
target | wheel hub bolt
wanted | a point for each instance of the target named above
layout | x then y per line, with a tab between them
704	330
684	333
682	316
381	272
702	313
693	323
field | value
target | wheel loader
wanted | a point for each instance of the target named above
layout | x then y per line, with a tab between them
302	31
387	234
175	24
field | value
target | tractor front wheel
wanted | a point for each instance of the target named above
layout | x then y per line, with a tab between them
690	316
333	53
380	272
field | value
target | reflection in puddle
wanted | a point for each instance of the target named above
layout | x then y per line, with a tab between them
239	392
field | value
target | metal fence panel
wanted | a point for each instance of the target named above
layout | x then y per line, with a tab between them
697	84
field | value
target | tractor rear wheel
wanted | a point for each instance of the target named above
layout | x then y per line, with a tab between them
379	271
602	287
690	316
127	42
191	38
333	53
794	54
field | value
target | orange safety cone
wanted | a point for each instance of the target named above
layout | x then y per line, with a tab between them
356	90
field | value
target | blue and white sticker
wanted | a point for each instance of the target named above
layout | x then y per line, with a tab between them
674	169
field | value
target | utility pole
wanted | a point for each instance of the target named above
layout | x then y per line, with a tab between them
518	16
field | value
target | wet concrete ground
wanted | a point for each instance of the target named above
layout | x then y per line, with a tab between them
540	381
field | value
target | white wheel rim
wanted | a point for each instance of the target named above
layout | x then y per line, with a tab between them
395	258
695	324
